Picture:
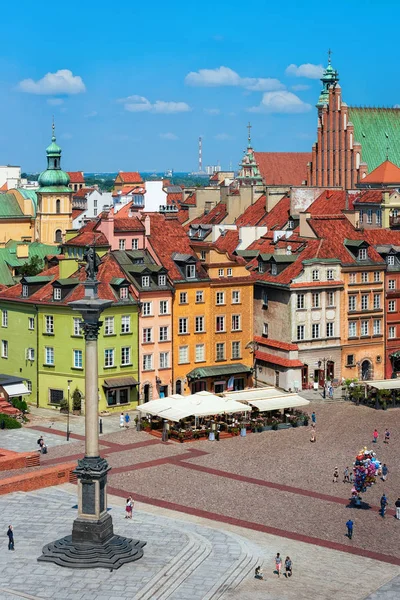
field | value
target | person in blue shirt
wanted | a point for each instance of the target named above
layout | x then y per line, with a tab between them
349	526
384	503
127	420
313	417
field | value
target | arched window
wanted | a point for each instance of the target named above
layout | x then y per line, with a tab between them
55	163
58	206
58	236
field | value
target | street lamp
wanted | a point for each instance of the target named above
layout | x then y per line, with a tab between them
253	347
68	431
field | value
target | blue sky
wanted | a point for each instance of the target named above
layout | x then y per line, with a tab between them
140	82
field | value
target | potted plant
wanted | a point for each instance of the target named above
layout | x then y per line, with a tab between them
76	402
181	437
274	425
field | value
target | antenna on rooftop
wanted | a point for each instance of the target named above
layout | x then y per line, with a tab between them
200	155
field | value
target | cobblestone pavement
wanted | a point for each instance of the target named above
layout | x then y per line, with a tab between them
274	484
185	558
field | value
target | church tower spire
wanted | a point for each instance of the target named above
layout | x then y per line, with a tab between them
330	78
249	173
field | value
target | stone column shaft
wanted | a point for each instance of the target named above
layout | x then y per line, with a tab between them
91	399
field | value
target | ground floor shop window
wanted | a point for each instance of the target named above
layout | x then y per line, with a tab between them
55	396
117	396
199	386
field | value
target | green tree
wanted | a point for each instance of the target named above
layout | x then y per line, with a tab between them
32	267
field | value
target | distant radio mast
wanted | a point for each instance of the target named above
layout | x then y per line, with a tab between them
200	155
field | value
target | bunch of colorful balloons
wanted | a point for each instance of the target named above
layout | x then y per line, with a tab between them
365	470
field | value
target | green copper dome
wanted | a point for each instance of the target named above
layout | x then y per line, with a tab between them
53	176
329	79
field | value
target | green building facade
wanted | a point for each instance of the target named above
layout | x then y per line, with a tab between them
42	339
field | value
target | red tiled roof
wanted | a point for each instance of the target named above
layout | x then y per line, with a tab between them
382	236
129	189
305	284
386	173
275	343
182	215
108	269
214	217
370	197
76	176
228	242
76	212
278	217
278	360
332	202
4	187
127	224
189	199
88	235
283	168
129	177
168	236
174	198
82	192
253	213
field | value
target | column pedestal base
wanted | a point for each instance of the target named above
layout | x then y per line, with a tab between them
112	554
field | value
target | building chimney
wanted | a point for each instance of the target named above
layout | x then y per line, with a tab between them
147	225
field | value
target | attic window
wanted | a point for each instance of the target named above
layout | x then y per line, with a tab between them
146	281
362	254
124	293
162	280
390	259
261	267
274	269
25	291
290	224
57	293
191	271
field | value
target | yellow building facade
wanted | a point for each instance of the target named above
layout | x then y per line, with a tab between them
212	326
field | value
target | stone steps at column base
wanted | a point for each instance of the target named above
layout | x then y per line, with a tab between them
175	573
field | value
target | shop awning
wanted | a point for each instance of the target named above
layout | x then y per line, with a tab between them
288	401
117	382
384	384
218	371
16	389
255	394
202	404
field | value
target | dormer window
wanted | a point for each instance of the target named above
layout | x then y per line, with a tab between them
362	254
124	293
274	269
145	281
25	291
390	260
315	275
162	280
57	293
191	271
261	267
290	224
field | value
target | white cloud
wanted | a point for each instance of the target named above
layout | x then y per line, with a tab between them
306	70
55	101
141	104
91	114
62	82
168	136
223	137
396	105
300	87
281	102
212	111
224	76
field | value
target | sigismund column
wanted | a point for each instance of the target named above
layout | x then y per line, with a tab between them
92	543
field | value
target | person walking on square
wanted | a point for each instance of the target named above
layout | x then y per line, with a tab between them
385	472
288	566
384	503
313	437
127	420
10	534
349	526
375	436
278	564
387	436
346	478
397	505
121	420
129	508
335	475
313	417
